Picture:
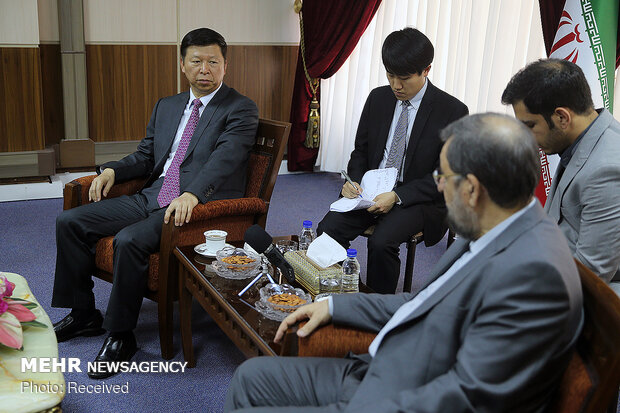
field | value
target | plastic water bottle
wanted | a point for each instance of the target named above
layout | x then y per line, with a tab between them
307	235
350	272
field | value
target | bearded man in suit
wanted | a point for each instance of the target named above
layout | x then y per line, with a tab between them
492	329
553	99
399	127
196	148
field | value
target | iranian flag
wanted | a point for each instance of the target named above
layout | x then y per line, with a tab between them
586	36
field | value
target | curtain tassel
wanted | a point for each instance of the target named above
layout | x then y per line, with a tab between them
314	121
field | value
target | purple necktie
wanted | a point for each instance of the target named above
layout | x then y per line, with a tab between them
170	189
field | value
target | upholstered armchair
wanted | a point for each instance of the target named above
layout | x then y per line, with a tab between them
232	215
590	383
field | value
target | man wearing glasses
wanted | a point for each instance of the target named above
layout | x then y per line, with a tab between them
491	331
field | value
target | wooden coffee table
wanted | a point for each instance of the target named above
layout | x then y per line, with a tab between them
236	316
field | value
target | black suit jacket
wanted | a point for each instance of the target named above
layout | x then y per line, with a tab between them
214	166
436	111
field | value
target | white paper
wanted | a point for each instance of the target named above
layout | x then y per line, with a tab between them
374	182
325	251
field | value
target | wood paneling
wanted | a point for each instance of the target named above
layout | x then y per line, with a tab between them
53	116
266	74
21	119
124	83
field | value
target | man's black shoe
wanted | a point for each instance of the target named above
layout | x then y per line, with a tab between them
115	350
70	327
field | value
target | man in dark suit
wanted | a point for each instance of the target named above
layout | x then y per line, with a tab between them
399	128
196	147
491	331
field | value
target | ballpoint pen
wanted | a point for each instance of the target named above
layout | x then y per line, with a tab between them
344	173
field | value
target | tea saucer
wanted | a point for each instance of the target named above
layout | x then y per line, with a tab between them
201	249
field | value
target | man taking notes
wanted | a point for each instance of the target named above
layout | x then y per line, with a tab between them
491	331
553	99
196	148
399	128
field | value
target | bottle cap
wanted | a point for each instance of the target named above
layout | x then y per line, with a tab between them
307	224
351	252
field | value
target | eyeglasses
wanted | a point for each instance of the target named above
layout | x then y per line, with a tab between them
437	176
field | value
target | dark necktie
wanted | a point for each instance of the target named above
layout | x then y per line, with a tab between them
170	189
399	141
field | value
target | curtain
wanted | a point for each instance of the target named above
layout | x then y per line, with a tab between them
479	45
331	31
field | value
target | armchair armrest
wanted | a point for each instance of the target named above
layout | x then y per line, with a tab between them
75	192
231	215
329	341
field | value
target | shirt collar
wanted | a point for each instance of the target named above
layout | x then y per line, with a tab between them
415	101
205	99
479	244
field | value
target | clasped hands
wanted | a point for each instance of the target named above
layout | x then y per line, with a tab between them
383	202
182	206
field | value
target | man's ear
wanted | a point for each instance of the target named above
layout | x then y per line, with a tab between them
474	189
563	117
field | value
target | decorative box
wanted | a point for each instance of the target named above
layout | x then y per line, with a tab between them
308	273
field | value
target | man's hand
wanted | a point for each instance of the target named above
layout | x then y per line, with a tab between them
350	191
317	313
182	208
103	182
383	203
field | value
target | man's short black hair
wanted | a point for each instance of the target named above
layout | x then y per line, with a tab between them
548	84
203	37
406	52
498	150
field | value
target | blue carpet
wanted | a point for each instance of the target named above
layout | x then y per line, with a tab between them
28	247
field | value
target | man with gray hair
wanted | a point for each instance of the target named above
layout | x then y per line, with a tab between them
490	331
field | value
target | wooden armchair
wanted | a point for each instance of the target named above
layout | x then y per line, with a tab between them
232	215
590	383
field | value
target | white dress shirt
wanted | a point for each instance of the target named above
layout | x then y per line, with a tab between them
184	119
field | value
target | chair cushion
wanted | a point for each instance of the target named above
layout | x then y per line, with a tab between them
104	261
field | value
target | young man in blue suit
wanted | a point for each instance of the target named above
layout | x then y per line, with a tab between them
491	331
553	99
196	147
399	128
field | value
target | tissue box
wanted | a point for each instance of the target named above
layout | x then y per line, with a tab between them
307	273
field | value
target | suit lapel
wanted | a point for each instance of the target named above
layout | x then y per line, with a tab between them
524	223
587	144
206	116
453	253
424	111
388	107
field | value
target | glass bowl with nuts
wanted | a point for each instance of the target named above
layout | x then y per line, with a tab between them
236	263
279	300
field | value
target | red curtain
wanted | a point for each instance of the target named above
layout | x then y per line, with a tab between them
332	29
550	13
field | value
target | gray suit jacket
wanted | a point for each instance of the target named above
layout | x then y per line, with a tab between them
214	166
586	201
494	338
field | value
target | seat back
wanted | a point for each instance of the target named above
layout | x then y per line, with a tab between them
266	157
590	383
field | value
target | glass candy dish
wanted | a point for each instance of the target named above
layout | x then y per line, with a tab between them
236	263
279	300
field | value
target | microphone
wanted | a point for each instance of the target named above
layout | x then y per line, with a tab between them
262	242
